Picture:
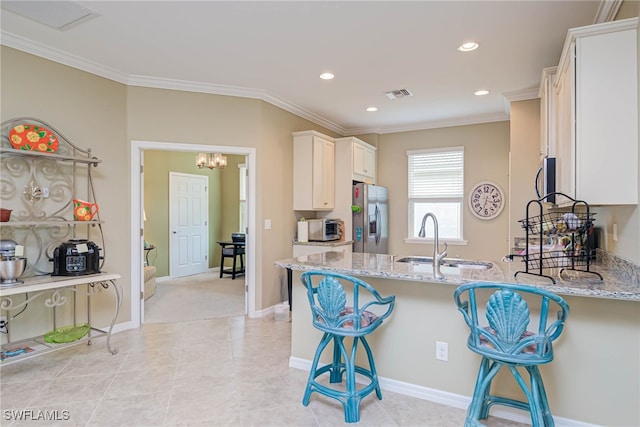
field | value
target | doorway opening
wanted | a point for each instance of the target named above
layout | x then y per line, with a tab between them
137	220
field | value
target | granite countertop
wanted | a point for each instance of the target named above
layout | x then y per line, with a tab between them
621	280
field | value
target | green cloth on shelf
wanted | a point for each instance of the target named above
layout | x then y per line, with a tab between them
67	334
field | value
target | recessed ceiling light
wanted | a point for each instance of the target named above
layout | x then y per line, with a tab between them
468	46
481	92
372	108
326	76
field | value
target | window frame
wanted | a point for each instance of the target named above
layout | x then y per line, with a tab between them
458	200
242	197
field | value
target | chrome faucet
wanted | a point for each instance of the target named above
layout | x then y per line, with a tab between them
437	257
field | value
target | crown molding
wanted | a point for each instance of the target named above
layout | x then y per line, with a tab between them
521	95
607	11
460	121
237	91
547	73
61	57
593	30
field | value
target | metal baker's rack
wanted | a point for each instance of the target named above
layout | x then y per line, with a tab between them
567	234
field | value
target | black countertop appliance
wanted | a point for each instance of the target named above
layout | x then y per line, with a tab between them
76	257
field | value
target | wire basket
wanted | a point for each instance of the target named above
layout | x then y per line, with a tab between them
559	259
559	222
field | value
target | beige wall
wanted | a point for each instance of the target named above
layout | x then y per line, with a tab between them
91	112
275	188
525	159
486	152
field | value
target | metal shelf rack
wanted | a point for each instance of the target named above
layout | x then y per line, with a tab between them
567	233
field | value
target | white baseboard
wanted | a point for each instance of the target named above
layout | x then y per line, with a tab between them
268	311
446	398
120	327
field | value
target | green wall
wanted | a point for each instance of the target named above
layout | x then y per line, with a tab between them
223	202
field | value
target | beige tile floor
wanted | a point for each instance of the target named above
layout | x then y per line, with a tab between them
216	372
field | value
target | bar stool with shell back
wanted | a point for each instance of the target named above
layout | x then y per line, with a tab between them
346	309
507	340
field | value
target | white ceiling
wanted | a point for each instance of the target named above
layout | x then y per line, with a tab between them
275	51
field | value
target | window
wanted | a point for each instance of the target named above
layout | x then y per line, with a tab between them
436	184
243	197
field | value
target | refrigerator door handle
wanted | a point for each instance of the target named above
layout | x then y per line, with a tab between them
378	219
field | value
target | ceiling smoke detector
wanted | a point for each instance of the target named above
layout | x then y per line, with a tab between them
400	93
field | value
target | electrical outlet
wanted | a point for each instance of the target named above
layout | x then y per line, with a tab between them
442	351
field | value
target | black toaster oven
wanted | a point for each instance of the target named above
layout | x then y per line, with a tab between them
77	257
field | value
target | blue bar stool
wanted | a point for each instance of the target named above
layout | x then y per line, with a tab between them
332	315
505	341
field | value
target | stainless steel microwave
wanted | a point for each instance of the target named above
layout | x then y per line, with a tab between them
324	230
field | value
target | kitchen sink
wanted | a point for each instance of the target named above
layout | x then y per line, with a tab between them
448	262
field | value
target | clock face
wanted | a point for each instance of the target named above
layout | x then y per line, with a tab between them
486	200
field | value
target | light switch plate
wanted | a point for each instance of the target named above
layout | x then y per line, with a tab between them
267	224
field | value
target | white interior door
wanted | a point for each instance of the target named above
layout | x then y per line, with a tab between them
188	223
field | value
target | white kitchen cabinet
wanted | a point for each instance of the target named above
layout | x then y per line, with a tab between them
547	113
355	161
359	157
596	114
313	171
564	130
364	162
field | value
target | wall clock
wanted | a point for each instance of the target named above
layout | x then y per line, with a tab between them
486	200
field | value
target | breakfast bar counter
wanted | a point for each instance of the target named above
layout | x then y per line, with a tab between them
593	379
619	280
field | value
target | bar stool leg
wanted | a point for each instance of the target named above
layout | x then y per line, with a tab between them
233	271
221	262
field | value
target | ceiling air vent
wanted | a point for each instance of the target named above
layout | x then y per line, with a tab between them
60	15
400	93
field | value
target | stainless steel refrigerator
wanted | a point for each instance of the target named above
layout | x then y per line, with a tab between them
370	219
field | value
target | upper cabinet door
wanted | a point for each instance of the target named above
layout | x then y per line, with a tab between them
364	161
313	171
596	114
323	180
607	118
547	113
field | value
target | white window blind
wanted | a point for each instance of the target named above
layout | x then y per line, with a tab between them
436	173
436	185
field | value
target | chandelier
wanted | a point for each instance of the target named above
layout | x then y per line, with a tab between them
211	161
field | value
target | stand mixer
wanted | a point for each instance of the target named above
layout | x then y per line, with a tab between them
11	266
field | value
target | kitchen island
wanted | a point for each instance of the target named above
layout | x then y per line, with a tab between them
592	381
